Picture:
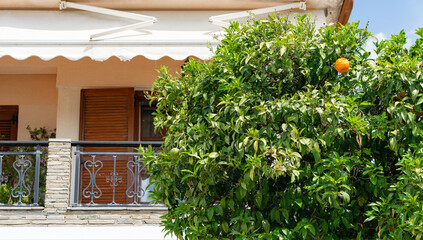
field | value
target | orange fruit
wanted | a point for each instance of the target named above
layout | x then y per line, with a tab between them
402	94
421	64
342	65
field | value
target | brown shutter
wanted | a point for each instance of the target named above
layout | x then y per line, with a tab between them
107	115
8	122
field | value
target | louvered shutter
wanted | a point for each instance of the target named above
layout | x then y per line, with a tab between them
107	115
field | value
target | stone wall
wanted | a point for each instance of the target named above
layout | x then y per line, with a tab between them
57	210
74	217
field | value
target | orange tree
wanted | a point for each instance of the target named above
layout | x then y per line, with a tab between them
267	140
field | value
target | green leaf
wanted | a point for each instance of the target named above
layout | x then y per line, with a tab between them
283	50
225	226
259	216
223	202
299	202
244	228
336	222
231	204
345	222
266	226
370	218
419	101
219	210
210	212
259	198
252	174
285	214
373	179
311	229
215	226
214	155
275	215
345	196
325	227
256	146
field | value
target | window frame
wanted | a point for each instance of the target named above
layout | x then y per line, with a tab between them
140	97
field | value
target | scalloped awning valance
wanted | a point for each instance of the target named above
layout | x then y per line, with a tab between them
49	34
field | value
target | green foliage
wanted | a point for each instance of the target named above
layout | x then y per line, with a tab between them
5	194
267	141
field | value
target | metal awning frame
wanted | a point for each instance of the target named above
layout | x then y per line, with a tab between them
145	20
221	20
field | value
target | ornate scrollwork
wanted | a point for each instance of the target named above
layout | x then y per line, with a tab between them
114	179
136	189
21	190
92	190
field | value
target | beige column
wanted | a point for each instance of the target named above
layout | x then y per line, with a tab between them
68	107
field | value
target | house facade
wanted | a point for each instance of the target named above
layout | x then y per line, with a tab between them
81	69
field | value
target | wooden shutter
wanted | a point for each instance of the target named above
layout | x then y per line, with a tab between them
107	115
8	122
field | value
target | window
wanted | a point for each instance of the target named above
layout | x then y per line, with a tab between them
8	122
144	124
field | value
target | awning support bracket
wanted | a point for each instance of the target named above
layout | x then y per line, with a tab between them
144	19
220	20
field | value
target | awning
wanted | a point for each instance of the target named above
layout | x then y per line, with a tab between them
49	34
100	51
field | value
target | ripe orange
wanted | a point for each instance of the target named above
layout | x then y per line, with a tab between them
342	65
421	64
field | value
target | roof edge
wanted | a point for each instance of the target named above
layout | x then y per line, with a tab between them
154	5
346	9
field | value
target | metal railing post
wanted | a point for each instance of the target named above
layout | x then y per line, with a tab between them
37	174
77	166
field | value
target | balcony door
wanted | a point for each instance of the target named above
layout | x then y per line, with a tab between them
115	115
106	115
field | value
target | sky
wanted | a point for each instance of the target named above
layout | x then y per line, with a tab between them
386	17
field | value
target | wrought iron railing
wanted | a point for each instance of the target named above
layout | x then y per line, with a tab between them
111	173
20	172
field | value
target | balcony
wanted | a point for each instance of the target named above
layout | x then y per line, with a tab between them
63	182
